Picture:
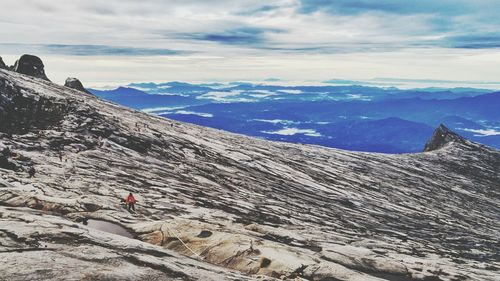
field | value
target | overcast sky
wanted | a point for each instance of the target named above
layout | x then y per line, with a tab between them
113	42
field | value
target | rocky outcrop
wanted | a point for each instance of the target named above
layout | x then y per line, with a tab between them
5	154
2	64
30	65
441	137
218	206
74	83
21	113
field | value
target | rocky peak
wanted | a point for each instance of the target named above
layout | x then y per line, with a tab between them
2	64
442	136
30	65
76	84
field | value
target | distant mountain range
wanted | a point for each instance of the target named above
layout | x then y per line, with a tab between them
387	120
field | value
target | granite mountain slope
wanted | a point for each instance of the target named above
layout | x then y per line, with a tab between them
220	206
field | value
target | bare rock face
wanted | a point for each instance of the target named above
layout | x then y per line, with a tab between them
219	206
30	65
76	84
2	64
19	114
441	137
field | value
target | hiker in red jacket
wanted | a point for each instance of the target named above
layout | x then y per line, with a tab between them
130	201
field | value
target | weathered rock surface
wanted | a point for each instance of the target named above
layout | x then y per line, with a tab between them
213	205
30	65
76	84
41	246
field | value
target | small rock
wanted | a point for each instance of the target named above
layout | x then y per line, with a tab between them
76	84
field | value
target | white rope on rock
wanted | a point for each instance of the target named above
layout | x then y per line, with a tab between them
182	242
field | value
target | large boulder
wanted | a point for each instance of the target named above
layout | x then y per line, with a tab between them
30	65
2	64
76	84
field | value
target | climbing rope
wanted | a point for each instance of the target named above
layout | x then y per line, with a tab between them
170	231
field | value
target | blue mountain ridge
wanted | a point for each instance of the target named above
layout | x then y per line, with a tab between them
362	118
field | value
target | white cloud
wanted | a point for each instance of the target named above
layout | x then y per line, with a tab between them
224	96
220	95
206	115
261	93
294	131
483	132
293	92
161	108
358	97
277	121
287	43
172	94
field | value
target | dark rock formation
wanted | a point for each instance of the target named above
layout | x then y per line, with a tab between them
20	114
76	84
4	157
2	64
30	65
441	137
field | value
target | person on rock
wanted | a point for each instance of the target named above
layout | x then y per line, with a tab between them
130	201
31	171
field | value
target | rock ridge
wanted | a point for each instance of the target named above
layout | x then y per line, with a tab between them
441	137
